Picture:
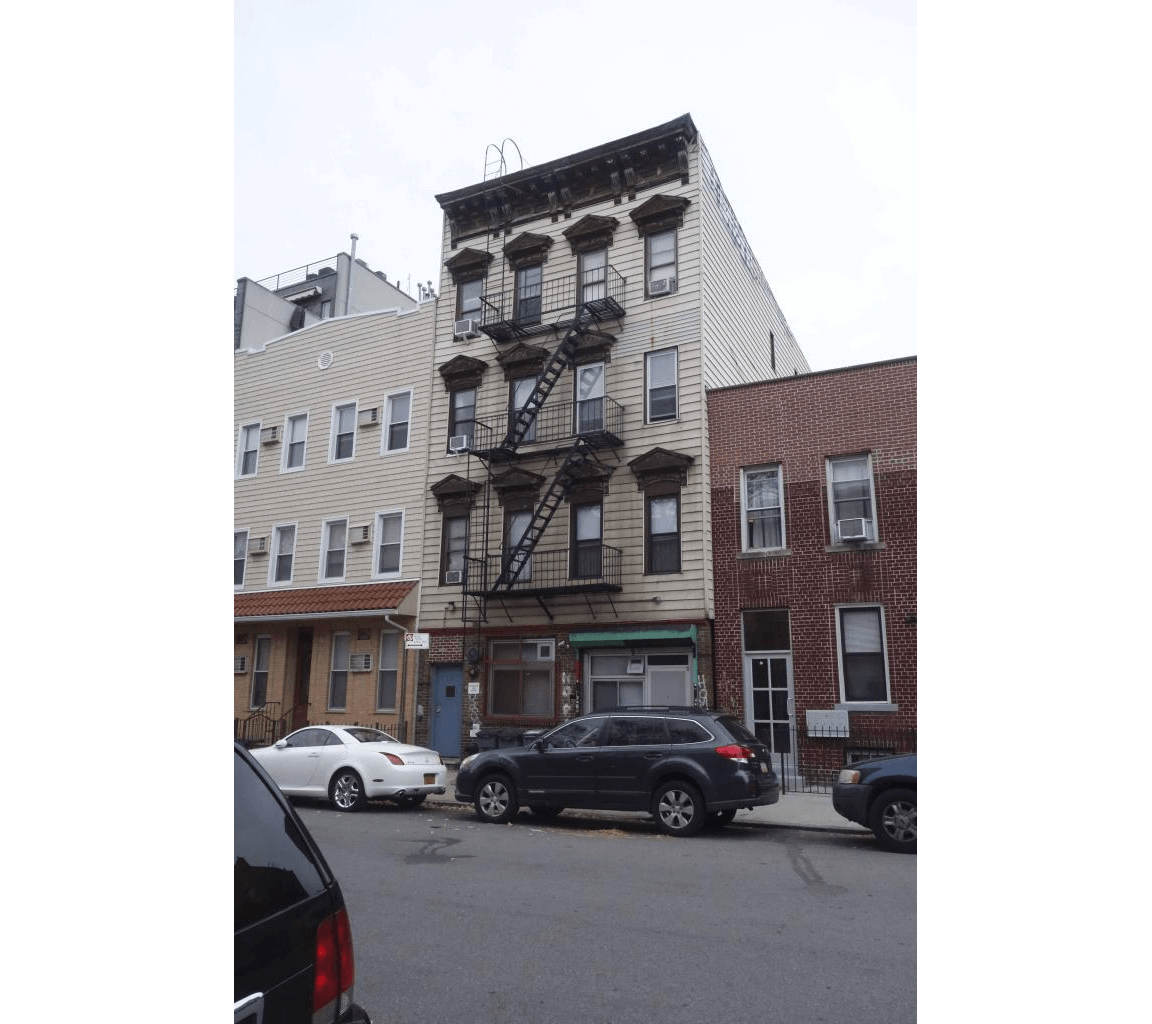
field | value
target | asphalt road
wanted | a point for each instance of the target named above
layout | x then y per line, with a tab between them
610	922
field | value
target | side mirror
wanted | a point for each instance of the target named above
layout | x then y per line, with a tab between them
538	746
280	744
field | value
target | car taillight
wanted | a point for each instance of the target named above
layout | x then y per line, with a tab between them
391	757
735	752
335	963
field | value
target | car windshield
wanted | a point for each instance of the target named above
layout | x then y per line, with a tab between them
371	736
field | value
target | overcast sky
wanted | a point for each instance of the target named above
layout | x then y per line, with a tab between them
351	117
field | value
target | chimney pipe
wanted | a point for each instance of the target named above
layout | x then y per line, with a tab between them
351	270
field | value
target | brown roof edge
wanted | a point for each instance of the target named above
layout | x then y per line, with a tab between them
302	602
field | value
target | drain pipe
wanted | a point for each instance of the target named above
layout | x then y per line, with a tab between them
351	271
403	655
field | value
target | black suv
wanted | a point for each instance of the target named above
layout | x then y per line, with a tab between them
293	956
688	768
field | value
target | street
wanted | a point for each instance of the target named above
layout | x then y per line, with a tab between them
606	921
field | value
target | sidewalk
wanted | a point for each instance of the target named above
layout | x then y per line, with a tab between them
792	810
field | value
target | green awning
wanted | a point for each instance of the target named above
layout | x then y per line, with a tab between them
628	637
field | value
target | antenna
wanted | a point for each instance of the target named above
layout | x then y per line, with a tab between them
495	164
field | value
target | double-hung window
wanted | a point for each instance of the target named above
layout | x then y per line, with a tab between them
453	549
389	534
462	415
850	499
343	432
587	549
260	664
660	256
663	533
521	391
283	551
517	527
468	299
338	677
295	434
593	275
763	500
239	556
248	449
335	549
386	676
529	285
863	664
398	411
590	398
661	385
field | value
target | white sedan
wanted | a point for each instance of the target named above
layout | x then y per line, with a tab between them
350	765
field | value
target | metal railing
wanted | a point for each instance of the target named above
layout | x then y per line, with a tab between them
299	275
595	567
534	305
265	725
817	756
556	422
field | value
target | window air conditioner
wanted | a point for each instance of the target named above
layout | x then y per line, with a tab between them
240	664
370	417
359	534
258	545
469	328
662	286
454	576
360	662
545	650
852	529
269	435
458	443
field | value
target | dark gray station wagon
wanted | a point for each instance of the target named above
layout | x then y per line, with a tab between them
686	767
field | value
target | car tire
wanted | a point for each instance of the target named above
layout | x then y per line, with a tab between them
893	820
678	809
718	819
495	800
546	812
412	801
346	791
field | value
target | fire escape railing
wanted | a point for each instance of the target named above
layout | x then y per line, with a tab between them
519	313
593	567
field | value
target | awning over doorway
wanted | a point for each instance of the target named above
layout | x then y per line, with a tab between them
673	635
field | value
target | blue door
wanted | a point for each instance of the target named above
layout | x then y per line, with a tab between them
447	709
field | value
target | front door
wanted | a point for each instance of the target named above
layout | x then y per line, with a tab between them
770	704
447	709
303	675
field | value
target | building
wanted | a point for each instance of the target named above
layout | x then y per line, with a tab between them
814	553
587	307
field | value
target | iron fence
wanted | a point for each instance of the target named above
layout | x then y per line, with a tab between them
818	755
265	725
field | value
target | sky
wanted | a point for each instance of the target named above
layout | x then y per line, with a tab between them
352	117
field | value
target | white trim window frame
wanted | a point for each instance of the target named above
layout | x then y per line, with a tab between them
851	495
862	655
342	443
295	442
334	550
239	558
258	688
762	526
397	422
521	390
247	449
338	675
468	299
660	259
389	671
661	386
281	564
388	544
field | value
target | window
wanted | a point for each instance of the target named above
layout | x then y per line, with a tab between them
590	398
593	275
295	434
763	499
528	290
239	556
462	414
386	677
521	391
661	385
283	548
660	255
517	526
635	731
398	411
521	682
338	678
850	499
453	546
663	533
248	449
863	666
260	672
343	432
325	309
468	299
334	550
587	532
389	532
618	680
772	349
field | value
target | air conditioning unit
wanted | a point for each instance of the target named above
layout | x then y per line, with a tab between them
270	435
662	286
852	529
360	662
545	650
370	417
258	545
469	328
458	443
454	576
359	534
239	664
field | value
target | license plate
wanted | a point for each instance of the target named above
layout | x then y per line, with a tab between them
429	778
763	768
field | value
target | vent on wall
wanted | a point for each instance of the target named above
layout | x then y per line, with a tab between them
326	359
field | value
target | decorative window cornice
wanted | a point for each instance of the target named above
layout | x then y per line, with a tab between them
659	214
591	233
454	495
517	489
527	250
660	470
462	372
468	265
522	361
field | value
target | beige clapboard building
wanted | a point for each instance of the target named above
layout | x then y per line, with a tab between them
545	526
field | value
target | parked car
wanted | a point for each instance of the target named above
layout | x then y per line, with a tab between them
292	959
351	765
684	766
881	795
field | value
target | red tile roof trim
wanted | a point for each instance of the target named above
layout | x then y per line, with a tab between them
375	597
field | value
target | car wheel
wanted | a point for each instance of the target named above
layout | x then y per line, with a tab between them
893	820
412	801
718	819
496	800
347	791
679	809
546	812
